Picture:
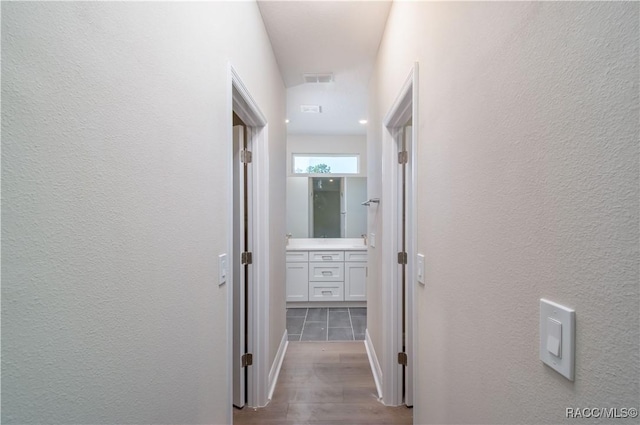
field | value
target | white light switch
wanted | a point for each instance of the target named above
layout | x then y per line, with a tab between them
223	269
372	240
554	336
420	266
557	337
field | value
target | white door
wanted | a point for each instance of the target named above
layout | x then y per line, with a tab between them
405	286
399	215
408	296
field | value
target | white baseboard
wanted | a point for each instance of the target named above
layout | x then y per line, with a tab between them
373	362
274	373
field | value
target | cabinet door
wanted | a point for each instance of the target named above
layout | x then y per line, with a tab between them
355	281
297	282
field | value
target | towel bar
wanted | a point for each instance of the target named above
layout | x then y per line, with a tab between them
370	201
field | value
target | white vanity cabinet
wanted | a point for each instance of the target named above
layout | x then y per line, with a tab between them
315	276
297	276
355	276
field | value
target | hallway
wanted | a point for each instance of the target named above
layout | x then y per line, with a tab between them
328	383
118	210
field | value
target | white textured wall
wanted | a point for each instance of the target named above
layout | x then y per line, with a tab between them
114	177
528	188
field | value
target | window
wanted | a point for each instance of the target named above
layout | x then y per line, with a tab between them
325	163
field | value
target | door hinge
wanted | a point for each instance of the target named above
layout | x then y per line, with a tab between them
403	157
402	359
247	359
246	258
245	156
402	258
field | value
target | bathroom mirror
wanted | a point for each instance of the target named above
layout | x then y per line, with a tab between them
326	207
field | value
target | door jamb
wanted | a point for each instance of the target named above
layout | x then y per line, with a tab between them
405	106
240	101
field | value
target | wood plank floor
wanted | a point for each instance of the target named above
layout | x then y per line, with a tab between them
325	383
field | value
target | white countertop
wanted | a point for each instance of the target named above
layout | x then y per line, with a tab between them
326	244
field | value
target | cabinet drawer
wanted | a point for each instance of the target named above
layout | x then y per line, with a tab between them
326	256
326	272
355	256
326	291
297	256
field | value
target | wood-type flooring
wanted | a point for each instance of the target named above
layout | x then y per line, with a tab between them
325	383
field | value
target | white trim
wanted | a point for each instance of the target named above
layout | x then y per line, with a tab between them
413	237
373	362
228	147
241	101
261	280
404	107
277	363
244	105
401	110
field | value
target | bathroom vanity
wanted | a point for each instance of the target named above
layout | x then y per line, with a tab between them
326	272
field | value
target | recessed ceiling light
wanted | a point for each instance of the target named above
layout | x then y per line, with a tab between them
362	121
286	121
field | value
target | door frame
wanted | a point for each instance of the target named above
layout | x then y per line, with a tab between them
240	101
238	283
405	106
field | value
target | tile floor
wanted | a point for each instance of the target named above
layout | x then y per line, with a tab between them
326	324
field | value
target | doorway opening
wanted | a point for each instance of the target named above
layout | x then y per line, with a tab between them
242	242
399	249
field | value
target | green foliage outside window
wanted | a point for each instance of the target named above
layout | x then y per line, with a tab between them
318	169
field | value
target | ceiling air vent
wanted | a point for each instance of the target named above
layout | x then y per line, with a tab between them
311	109
323	77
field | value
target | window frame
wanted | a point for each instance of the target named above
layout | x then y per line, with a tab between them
292	169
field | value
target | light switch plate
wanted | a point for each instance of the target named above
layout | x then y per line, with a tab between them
420	267
223	269
372	240
557	322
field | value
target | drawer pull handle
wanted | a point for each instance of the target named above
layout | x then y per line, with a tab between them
326	292
326	273
327	257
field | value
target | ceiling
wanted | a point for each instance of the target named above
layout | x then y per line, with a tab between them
341	37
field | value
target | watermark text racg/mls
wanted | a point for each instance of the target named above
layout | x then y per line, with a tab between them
601	412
